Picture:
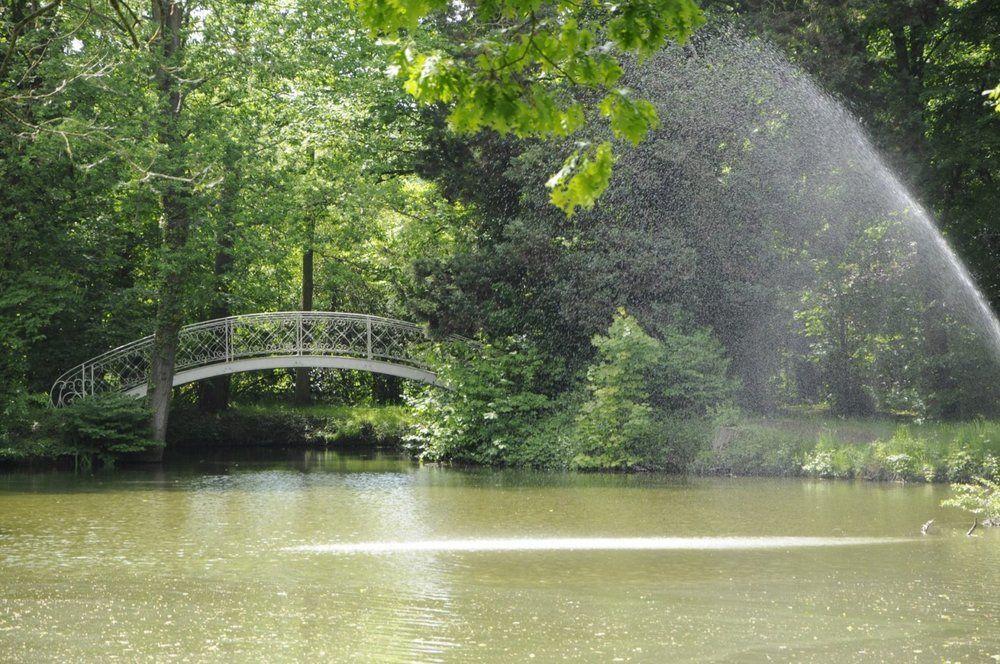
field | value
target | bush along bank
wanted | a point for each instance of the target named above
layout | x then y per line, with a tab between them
104	429
97	430
644	402
855	449
279	425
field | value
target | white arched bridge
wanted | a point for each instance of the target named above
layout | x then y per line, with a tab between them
258	341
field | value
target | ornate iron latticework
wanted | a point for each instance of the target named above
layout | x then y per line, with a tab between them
257	341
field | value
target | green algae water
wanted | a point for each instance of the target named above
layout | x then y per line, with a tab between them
324	556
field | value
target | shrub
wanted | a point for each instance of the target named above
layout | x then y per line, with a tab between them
649	399
756	450
383	425
104	427
677	442
29	432
903	457
960	465
691	375
497	409
237	427
617	422
15	416
819	463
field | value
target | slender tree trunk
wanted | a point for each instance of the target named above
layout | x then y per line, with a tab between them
302	374
302	386
941	383
213	394
168	15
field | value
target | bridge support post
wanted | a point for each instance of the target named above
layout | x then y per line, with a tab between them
368	328
298	334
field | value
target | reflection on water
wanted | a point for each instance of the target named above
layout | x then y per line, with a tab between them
218	558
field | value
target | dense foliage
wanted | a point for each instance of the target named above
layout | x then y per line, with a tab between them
915	70
501	405
511	405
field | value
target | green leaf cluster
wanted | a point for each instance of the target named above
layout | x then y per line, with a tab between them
617	421
509	405
519	67
982	498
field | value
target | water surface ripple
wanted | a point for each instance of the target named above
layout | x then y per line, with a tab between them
321	556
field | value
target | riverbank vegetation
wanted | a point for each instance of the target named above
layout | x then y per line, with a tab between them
264	425
98	430
108	429
667	403
659	266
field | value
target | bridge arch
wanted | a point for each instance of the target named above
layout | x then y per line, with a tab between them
287	339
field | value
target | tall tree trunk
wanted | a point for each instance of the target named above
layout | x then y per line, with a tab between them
302	396
941	398
302	374
168	15
213	394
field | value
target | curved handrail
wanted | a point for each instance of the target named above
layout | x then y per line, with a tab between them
225	340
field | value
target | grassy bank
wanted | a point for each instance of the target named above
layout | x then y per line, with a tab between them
280	424
105	429
862	449
109	428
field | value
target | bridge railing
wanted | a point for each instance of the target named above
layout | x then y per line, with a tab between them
223	340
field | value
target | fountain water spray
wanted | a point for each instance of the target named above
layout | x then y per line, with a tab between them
789	210
592	544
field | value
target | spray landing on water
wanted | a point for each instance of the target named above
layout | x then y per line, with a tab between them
593	544
817	268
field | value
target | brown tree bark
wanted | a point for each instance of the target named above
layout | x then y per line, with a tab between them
168	15
302	386
213	393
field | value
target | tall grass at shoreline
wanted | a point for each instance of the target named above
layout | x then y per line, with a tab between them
854	449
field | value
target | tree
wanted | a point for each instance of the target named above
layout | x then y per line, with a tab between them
617	422
509	66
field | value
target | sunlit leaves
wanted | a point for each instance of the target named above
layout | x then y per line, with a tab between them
582	178
993	97
630	119
520	64
391	15
644	27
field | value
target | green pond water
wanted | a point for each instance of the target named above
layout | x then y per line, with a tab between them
325	556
